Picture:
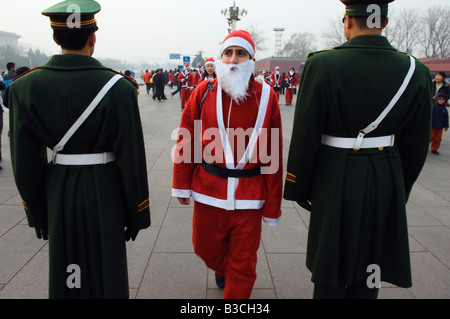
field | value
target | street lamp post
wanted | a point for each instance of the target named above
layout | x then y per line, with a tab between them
233	14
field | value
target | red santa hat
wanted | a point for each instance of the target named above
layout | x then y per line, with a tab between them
187	66
239	38
209	61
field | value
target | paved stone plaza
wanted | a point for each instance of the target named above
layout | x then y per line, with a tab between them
161	261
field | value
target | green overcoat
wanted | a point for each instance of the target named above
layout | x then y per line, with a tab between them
84	207
358	215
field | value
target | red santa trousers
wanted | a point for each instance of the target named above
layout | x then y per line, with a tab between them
184	94
289	95
436	138
228	241
277	93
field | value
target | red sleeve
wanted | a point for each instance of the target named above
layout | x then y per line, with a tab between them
191	80
294	81
274	181
180	77
184	166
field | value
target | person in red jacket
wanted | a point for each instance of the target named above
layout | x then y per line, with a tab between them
292	82
235	177
276	81
210	71
198	74
187	85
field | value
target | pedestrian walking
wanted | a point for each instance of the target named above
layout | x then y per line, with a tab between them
439	121
355	154
291	85
232	194
93	195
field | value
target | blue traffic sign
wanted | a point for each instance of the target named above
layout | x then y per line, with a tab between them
186	59
174	56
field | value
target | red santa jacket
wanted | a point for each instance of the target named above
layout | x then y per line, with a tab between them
190	79
276	80
292	81
260	120
197	77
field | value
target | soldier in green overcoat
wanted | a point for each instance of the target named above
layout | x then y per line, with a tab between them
93	195
354	165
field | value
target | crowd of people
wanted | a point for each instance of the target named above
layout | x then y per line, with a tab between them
189	78
93	196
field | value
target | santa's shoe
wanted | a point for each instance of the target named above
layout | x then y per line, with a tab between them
220	281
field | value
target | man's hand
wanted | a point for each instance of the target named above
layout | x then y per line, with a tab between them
131	233
41	233
184	201
306	204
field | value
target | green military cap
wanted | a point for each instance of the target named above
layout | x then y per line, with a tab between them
358	8
73	14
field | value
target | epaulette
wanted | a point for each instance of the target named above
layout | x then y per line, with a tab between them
317	52
26	72
128	78
406	53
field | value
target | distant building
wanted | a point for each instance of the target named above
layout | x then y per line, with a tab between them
437	64
9	39
285	64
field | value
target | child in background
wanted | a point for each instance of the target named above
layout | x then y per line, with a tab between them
440	121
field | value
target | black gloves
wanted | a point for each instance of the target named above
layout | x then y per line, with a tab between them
131	233
306	204
41	233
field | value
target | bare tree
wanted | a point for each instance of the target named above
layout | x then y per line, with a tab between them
300	45
428	42
334	32
442	32
258	38
404	33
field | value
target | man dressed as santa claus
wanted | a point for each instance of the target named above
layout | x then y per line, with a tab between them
276	81
228	158
292	81
186	78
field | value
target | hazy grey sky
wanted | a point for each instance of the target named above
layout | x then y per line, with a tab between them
148	30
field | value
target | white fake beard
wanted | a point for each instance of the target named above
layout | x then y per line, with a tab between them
234	78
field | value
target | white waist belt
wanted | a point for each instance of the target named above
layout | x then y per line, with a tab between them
367	142
84	159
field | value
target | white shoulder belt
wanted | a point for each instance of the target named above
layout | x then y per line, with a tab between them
84	159
372	142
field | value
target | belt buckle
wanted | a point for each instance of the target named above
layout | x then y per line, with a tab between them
54	154
358	141
56	149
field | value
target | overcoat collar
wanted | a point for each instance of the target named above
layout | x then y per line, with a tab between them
367	41
73	62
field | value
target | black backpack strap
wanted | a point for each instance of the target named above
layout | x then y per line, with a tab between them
210	86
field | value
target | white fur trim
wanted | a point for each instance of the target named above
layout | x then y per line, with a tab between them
183	193
238	42
271	221
222	203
